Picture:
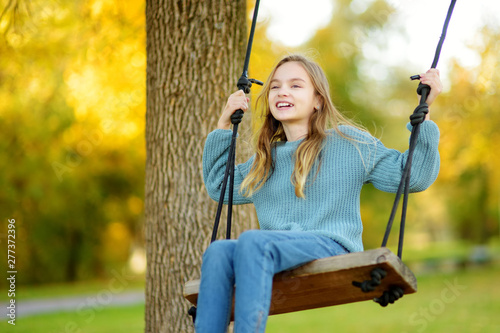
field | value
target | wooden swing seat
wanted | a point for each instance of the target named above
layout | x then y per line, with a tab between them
328	281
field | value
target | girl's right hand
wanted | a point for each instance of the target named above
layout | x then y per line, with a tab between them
236	101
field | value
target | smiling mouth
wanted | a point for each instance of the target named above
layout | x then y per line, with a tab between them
281	105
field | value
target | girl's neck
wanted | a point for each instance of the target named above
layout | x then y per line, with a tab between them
295	132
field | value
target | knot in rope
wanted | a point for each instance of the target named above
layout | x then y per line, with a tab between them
192	313
244	84
237	117
421	87
390	296
369	285
419	114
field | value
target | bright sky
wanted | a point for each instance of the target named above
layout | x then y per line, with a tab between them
292	22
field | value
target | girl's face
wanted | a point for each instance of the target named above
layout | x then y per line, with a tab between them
292	96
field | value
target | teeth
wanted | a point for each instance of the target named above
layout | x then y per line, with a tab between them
283	104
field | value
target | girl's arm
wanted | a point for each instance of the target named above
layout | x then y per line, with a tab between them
386	165
215	157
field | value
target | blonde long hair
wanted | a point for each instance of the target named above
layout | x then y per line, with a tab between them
308	152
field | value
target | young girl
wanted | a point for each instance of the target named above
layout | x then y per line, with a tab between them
305	181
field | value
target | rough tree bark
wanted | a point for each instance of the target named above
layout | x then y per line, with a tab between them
195	54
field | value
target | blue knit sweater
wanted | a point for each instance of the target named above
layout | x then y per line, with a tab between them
331	206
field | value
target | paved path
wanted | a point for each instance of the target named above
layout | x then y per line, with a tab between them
77	303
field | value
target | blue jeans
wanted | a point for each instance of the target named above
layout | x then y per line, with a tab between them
247	266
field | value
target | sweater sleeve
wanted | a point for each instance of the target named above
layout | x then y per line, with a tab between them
387	165
215	155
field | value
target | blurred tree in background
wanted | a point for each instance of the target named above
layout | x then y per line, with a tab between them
470	124
72	139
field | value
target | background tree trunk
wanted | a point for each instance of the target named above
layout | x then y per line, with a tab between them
195	54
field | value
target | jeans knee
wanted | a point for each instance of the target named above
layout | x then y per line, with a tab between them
252	242
250	237
221	250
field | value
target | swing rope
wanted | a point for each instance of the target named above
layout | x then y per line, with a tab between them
418	116
244	83
416	119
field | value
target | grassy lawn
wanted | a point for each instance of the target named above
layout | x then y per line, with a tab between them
466	301
129	319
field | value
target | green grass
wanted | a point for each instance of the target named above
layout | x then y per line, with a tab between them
128	319
472	305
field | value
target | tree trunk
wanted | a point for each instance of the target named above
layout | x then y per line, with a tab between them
195	54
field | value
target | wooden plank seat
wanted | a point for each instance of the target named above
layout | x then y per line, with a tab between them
329	281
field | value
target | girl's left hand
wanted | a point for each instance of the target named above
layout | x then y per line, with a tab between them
431	78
